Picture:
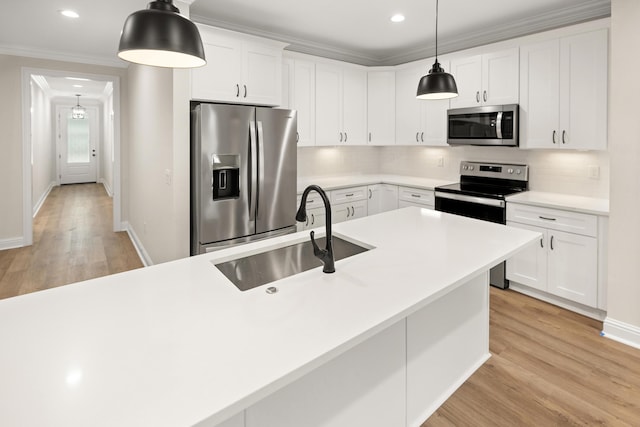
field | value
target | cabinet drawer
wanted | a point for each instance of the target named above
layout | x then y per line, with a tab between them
313	201
553	219
416	195
350	194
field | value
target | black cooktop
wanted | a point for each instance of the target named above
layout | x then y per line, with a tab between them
481	189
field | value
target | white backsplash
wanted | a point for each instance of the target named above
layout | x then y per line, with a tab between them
566	172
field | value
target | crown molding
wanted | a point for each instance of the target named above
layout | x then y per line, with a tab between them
61	56
43	84
586	11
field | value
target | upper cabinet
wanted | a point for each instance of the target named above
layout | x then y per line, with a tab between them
418	122
241	69
563	93
341	104
381	110
487	79
301	91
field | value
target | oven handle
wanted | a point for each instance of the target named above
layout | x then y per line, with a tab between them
471	199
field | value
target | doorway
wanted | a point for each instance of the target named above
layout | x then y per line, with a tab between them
80	159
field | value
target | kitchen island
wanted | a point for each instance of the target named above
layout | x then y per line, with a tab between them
381	342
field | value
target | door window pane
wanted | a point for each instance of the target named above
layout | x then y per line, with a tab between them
78	140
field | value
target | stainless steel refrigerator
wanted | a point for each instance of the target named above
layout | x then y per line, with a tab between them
243	174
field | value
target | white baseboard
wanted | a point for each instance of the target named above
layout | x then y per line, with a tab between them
142	253
107	187
594	313
44	196
16	242
621	332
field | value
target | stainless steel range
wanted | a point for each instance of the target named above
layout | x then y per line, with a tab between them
481	194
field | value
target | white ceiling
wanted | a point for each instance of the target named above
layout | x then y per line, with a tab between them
354	30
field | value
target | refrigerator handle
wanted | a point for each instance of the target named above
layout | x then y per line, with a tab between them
260	164
253	154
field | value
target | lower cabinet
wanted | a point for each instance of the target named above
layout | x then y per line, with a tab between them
348	211
562	263
381	198
409	196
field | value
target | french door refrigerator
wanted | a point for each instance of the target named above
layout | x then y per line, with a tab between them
243	174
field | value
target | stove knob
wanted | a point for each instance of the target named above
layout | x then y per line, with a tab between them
470	167
510	170
518	171
465	167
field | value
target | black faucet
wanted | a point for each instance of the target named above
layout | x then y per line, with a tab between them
325	255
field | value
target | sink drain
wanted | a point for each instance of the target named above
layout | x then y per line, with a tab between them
272	290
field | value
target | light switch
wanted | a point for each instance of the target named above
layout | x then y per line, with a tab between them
167	176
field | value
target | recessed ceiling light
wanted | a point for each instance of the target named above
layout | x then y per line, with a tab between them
82	79
398	17
69	13
78	86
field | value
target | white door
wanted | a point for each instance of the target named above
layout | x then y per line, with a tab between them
77	146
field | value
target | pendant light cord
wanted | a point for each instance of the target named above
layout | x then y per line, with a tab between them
436	30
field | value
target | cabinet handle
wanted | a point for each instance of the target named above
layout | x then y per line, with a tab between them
415	195
370	194
484	96
297	136
237	90
313	219
547	218
345	137
369	136
309	201
349	195
245	90
551	242
417	134
553	137
478	96
564	133
306	224
340	136
353	211
348	212
541	243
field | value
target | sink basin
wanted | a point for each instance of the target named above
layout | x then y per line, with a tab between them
266	267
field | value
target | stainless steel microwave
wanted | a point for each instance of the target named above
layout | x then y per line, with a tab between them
488	125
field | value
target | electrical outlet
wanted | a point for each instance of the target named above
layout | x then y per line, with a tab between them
594	171
440	162
167	176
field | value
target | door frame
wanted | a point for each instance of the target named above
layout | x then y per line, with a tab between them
27	204
61	105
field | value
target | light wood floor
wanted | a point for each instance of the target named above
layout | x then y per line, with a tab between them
73	241
549	367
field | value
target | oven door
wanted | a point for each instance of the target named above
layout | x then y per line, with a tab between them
471	206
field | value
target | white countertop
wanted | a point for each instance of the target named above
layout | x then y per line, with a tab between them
334	183
177	343
588	205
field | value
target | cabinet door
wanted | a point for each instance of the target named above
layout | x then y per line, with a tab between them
219	80
583	91
573	267
468	74
388	197
358	210
286	101
318	218
261	82
529	266
540	95
304	100
354	106
434	119
500	77
381	101
374	202
340	212
328	105
408	107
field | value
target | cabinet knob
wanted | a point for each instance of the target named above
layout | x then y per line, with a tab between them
553	137
422	136
564	134
551	243
245	90
237	90
478	96
345	137
340	136
417	135
484	96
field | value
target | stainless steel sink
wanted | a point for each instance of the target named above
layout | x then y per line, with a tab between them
266	267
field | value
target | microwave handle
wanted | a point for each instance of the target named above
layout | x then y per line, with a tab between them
499	125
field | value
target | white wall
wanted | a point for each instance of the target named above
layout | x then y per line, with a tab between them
106	155
43	149
554	171
623	314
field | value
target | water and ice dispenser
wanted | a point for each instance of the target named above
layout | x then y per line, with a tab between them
225	180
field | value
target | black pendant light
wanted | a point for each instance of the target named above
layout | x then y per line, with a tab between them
160	36
438	84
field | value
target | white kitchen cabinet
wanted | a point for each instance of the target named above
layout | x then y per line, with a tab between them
301	92
563	92
348	211
241	69
564	263
350	194
382	198
341	104
419	122
381	107
488	79
410	196
315	212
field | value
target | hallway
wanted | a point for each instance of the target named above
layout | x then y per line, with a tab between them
73	241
